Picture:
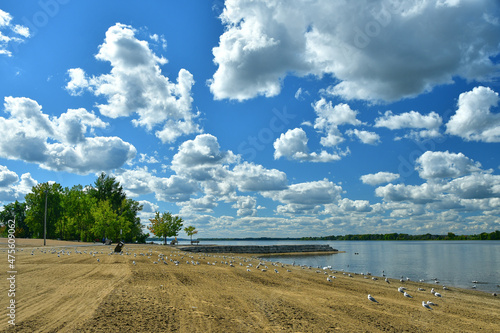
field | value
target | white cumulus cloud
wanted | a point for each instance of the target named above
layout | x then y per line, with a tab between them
439	164
379	178
136	85
61	143
429	124
367	137
474	120
376	50
293	145
11	187
306	198
329	118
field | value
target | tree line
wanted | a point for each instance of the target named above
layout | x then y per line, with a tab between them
495	235
94	212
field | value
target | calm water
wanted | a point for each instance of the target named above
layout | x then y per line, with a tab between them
453	263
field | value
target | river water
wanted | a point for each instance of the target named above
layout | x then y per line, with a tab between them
453	263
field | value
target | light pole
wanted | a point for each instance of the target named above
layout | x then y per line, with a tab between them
45	220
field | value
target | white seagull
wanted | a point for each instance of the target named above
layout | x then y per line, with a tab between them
425	305
371	298
407	295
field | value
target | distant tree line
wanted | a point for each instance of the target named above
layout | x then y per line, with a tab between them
252	239
97	211
495	235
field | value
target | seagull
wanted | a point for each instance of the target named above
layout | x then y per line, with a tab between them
328	279
430	303
433	291
425	305
407	295
437	294
371	298
401	289
387	280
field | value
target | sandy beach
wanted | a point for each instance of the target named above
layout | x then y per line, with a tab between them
80	287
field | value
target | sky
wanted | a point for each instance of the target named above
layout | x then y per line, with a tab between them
257	118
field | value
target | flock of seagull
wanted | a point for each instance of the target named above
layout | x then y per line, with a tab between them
425	304
176	260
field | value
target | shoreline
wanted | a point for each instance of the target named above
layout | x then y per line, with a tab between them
69	290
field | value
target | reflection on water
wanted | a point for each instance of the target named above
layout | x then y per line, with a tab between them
453	263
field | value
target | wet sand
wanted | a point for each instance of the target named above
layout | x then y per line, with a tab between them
57	292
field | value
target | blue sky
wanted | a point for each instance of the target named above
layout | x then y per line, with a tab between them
261	118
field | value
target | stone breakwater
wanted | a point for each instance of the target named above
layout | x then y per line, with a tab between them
257	248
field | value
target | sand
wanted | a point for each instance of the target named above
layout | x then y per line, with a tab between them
76	293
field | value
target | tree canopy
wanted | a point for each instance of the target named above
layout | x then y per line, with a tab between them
97	211
165	225
190	231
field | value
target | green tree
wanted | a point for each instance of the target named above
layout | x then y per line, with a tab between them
165	225
35	204
128	211
16	211
107	223
190	231
78	206
106	188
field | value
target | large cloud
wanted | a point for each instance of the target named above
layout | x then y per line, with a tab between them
201	158
137	86
435	165
474	120
377	50
202	168
60	143
15	33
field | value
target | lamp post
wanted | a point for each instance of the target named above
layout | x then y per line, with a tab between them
45	220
